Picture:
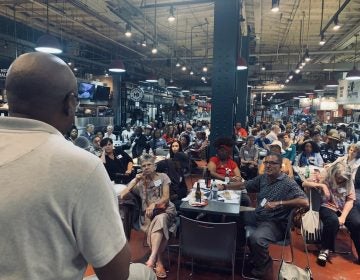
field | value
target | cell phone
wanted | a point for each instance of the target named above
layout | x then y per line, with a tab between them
263	202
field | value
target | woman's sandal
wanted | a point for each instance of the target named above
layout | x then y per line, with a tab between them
323	257
150	262
160	272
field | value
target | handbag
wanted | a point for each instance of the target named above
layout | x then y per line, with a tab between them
289	271
311	225
159	209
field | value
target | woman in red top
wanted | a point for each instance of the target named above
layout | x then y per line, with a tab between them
218	164
221	162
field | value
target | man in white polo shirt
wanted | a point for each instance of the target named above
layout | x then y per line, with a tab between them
57	206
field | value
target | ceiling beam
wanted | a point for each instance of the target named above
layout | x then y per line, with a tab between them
182	3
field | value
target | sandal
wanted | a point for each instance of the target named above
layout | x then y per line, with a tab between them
160	272
150	262
323	257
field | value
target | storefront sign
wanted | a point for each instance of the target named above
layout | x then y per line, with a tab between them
348	92
3	72
136	94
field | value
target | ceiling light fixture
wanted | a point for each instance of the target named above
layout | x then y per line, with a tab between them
48	43
144	43
117	66
318	88
183	68
332	83
287	81
128	30
205	69
354	74
241	64
154	49
263	67
336	26
307	56
171	17
322	40
152	78
275	6
177	63
191	72
291	76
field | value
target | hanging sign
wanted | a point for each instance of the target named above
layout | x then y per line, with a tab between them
136	94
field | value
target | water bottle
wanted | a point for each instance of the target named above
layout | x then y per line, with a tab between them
214	191
198	193
227	176
307	171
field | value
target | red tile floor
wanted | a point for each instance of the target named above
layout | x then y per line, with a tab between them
341	267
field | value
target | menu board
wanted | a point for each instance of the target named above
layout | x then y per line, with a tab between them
348	92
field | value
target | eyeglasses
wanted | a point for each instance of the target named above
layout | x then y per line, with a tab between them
271	162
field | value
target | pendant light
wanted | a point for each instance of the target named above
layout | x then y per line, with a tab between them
171	17
154	49
128	30
117	66
48	43
275	6
241	63
354	74
152	78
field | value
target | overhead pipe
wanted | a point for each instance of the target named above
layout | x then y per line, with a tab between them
88	28
342	7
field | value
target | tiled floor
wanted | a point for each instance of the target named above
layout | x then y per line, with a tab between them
341	267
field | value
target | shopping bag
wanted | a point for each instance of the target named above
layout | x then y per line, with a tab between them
289	271
311	225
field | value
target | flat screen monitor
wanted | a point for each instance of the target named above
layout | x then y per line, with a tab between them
86	91
102	93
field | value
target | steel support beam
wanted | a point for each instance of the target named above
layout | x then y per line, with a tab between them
182	3
226	30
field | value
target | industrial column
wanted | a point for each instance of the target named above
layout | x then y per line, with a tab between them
226	30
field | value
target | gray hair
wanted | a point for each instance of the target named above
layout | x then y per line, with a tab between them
146	157
356	147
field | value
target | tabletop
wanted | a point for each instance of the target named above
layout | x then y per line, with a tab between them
217	207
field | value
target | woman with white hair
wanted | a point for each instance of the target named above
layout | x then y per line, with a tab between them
338	196
109	133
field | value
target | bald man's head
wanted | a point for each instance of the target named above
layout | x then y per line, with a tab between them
38	85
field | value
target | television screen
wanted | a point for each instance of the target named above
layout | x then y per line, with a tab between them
102	93
86	91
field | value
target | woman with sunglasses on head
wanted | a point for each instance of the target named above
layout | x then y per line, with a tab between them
157	217
338	196
118	164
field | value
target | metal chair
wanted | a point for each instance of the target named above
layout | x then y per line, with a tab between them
285	242
207	241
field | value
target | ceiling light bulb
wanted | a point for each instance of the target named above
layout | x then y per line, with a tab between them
191	72
178	64
301	66
307	59
291	76
297	71
205	69
303	63
322	40
275	6
171	17
144	43
336	26
287	81
154	50
128	31
263	67
183	68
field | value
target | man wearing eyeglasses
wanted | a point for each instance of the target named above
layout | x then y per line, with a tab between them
277	194
57	207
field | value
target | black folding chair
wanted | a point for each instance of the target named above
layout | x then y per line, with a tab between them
208	241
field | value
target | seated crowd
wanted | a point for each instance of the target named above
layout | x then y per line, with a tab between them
263	160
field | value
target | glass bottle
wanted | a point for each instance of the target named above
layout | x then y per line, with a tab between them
198	193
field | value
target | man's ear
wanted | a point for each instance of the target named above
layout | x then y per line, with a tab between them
68	106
